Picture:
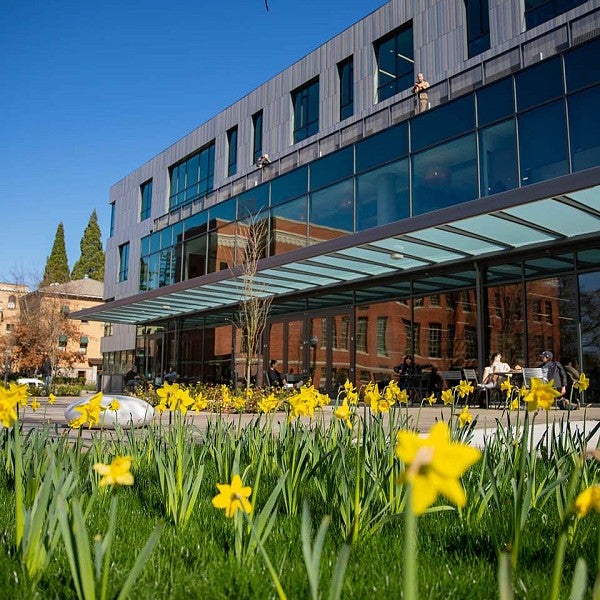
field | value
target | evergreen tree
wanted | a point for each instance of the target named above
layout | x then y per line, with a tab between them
91	261
57	265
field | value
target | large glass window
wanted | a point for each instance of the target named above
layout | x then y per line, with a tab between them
333	167
435	340
382	147
445	175
232	136
123	262
498	158
111	231
146	202
289	186
305	101
395	62
193	177
496	101
582	67
195	257
257	142
540	11
543	143
346	75
288	226
539	84
585	128
445	122
254	201
332	212
478	26
382	195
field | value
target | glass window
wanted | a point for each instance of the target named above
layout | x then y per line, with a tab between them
445	175
478	26
539	84
382	195
540	11
582	67
395	62
123	262
145	246
332	211
382	147
112	220
305	101
253	201
381	336
362	327
222	213
288	226
543	143
346	75
585	128
195	225
498	158
232	136
166	274
331	168
443	123
435	340
146	203
154	242
195	257
289	186
193	177
257	128
495	101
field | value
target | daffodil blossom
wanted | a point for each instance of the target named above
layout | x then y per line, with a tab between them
582	384
447	397
35	404
464	388
351	392
587	500
540	395
114	405
343	413
506	386
464	417
434	466
233	497
268	404
117	473
51	399
90	412
431	399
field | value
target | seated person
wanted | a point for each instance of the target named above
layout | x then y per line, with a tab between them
492	375
273	375
408	371
132	379
171	375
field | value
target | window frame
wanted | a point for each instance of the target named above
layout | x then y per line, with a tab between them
303	99
123	273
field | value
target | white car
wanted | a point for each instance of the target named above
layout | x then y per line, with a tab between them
30	381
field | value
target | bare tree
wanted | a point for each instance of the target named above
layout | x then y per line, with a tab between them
257	298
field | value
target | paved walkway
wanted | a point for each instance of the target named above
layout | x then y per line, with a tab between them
487	419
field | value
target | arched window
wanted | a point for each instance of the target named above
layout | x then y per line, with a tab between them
12	302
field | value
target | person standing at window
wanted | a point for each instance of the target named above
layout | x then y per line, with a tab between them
420	91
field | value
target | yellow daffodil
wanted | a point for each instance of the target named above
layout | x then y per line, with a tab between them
582	384
540	395
434	466
114	405
523	391
51	399
343	413
35	404
200	403
117	473
19	392
464	388
351	392
514	405
233	497
8	407
506	386
588	499
447	397
239	403
464	417
90	412
431	399
268	404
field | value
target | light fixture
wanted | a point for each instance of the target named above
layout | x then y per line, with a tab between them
396	256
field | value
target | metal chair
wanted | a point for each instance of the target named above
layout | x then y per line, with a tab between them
471	375
451	378
530	372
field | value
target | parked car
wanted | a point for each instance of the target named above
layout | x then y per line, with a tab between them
30	381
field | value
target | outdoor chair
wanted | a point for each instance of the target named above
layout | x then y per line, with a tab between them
471	376
451	378
529	373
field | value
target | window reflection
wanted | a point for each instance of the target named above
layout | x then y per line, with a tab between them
585	129
382	195
498	158
445	175
543	143
539	83
288	226
332	212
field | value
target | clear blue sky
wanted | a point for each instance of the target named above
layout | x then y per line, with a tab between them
92	90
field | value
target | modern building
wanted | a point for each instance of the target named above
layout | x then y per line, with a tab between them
468	227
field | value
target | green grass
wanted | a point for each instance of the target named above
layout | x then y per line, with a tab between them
457	554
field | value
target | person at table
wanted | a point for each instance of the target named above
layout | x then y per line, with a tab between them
408	370
492	374
274	376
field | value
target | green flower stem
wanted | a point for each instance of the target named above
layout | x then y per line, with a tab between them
561	546
19	492
410	550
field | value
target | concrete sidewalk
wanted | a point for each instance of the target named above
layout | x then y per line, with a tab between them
486	419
